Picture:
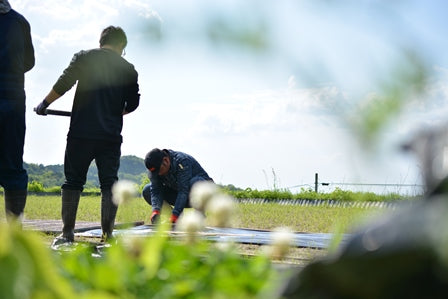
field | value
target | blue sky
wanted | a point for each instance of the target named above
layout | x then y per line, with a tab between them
247	112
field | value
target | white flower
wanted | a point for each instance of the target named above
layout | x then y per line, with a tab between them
201	193
123	191
191	223
281	241
221	209
227	246
134	244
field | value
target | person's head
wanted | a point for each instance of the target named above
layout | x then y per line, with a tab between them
157	161
5	7
113	37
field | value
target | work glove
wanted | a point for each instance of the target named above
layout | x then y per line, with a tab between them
42	107
155	217
173	218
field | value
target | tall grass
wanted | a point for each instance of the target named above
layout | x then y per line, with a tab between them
308	194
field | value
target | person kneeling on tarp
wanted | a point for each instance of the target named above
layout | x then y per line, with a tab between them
172	174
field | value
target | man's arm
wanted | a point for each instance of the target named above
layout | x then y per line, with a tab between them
64	83
50	98
156	199
184	174
29	59
132	95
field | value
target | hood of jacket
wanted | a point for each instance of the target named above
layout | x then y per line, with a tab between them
4	6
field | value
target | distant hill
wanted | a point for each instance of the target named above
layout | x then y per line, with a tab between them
131	168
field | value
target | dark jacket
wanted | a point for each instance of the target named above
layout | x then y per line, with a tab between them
183	173
107	85
16	55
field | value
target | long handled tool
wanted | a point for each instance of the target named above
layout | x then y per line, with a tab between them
57	112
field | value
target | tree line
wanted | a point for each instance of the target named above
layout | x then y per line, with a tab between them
132	168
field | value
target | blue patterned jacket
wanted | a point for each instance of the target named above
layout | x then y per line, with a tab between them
183	173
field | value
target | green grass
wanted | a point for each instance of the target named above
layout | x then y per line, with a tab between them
255	216
301	218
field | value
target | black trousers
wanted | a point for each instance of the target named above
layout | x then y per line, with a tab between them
12	136
80	152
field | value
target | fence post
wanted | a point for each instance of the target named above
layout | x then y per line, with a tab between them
316	182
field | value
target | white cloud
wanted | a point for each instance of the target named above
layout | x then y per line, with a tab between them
292	82
143	8
66	11
76	37
69	24
269	110
432	108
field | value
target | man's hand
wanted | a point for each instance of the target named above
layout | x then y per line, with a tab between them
173	218
42	107
155	217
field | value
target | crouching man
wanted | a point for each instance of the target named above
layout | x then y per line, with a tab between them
172	175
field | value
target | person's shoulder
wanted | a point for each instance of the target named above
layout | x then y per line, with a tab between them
88	54
129	65
94	51
172	153
15	13
18	16
181	156
81	54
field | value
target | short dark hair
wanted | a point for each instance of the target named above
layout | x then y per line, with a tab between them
113	36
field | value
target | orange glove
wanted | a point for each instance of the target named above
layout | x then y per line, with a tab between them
155	217
173	218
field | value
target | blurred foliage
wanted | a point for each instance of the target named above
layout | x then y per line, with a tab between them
249	35
153	267
27	267
372	115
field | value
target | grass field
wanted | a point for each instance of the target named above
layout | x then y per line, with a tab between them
254	216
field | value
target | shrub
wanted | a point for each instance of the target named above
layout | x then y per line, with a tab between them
308	194
35	187
152	267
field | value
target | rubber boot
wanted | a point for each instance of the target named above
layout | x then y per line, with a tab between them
108	213
15	201
70	201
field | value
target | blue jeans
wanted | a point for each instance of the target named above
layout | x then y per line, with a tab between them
12	137
80	152
168	194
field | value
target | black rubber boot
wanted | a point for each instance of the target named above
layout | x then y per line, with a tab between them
108	213
15	201
70	201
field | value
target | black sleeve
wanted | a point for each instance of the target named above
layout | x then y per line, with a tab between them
132	97
29	59
69	76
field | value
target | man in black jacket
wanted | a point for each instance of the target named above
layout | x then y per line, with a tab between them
107	89
16	58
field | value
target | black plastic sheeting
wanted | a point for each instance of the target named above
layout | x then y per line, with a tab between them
237	235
